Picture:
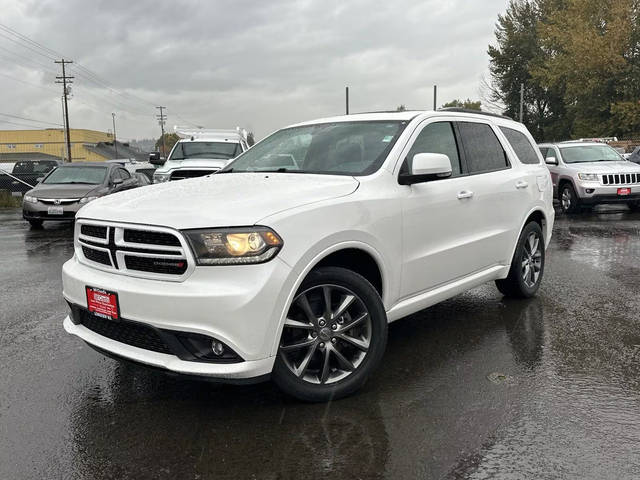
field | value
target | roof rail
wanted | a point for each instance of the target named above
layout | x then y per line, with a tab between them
200	133
469	110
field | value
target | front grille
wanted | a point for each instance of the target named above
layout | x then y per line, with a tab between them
621	179
124	331
139	251
150	238
182	174
167	266
96	231
97	256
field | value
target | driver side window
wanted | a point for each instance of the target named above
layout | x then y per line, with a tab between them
436	137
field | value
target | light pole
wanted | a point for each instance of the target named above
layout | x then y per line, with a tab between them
115	144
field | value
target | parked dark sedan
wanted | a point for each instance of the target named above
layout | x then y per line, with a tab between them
70	186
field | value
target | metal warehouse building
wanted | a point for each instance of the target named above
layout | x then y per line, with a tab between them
86	146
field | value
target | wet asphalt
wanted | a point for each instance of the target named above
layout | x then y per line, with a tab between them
476	387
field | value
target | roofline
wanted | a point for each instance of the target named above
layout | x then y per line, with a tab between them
475	112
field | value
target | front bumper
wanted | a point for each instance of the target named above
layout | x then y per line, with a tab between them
40	211
239	305
594	193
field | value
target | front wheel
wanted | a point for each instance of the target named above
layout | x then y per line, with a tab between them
527	266
334	336
569	202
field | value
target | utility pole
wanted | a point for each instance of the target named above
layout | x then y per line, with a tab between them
435	97
346	98
161	119
115	145
521	100
64	80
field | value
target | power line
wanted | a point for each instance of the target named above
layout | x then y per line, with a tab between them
30	119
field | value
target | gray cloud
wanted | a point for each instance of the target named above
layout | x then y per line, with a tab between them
259	64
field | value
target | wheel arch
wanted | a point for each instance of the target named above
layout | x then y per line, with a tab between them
330	257
538	215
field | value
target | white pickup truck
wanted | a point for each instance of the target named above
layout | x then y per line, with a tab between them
199	152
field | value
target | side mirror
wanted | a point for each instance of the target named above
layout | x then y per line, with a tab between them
116	182
551	161
155	159
427	167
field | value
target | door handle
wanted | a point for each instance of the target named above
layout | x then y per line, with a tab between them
465	194
522	184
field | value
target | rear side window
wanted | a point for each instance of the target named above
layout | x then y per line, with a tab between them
483	150
436	138
521	145
124	174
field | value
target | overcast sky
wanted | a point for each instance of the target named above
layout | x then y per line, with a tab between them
259	64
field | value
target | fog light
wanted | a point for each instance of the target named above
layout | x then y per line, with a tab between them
217	347
590	190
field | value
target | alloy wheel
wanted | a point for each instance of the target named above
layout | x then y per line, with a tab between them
566	199
327	334
531	260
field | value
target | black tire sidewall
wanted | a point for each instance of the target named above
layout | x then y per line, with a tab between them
574	198
303	390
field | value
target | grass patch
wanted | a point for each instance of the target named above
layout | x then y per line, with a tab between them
7	200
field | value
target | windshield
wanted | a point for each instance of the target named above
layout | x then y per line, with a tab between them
590	153
77	174
341	148
224	150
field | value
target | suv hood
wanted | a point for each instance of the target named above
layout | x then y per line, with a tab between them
605	167
63	190
171	165
221	200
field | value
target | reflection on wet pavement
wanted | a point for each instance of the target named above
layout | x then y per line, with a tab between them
476	387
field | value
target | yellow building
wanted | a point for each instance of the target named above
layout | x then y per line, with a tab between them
86	145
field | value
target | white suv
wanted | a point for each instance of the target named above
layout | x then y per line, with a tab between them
291	261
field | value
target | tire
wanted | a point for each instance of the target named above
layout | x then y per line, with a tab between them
515	285
569	201
36	224
307	366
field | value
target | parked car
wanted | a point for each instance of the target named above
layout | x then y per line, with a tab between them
291	261
134	166
199	152
585	174
635	155
60	194
24	175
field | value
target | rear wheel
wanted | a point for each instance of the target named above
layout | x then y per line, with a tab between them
569	202
35	223
527	266
334	336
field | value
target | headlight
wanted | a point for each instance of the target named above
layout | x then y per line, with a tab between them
591	177
87	199
30	199
233	246
160	177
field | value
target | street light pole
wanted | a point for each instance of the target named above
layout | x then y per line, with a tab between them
115	144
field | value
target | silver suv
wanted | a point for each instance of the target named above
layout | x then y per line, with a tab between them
588	173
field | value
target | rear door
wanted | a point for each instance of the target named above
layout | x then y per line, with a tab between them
497	189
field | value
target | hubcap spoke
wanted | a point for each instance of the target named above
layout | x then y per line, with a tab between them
353	323
290	322
302	368
299	345
325	365
303	301
326	294
344	363
346	303
356	342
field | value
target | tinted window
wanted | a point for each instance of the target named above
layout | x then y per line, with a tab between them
483	150
436	138
197	149
124	174
521	145
551	153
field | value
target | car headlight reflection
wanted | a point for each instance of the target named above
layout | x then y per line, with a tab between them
160	177
84	200
233	246
589	177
